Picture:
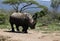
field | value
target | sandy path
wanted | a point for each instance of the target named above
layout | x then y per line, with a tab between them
31	36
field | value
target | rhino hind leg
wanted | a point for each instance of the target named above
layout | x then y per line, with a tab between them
12	28
25	29
17	28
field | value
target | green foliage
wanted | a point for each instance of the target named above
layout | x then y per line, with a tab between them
11	2
2	18
40	14
47	18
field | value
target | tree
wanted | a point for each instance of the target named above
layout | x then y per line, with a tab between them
55	4
16	3
40	14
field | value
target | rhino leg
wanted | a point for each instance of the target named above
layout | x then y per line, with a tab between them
12	28
17	27
25	29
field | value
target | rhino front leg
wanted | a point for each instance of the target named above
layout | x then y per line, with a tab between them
25	29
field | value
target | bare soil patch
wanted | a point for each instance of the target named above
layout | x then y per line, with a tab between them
31	36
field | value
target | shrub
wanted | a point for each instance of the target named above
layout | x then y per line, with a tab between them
2	18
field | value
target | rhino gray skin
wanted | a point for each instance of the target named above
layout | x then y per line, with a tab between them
24	20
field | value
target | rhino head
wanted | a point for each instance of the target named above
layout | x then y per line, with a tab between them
32	21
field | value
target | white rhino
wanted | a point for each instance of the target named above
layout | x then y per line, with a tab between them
22	19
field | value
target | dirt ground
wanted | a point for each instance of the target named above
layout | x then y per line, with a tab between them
31	36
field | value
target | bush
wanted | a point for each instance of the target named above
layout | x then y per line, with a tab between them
2	18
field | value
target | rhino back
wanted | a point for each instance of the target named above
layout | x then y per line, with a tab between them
18	15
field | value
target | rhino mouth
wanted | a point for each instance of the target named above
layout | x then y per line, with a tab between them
33	28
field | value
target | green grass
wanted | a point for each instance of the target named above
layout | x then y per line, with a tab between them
54	27
5	26
50	27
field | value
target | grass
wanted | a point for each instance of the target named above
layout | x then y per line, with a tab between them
4	26
50	27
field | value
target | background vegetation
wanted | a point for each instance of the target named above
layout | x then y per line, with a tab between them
46	20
